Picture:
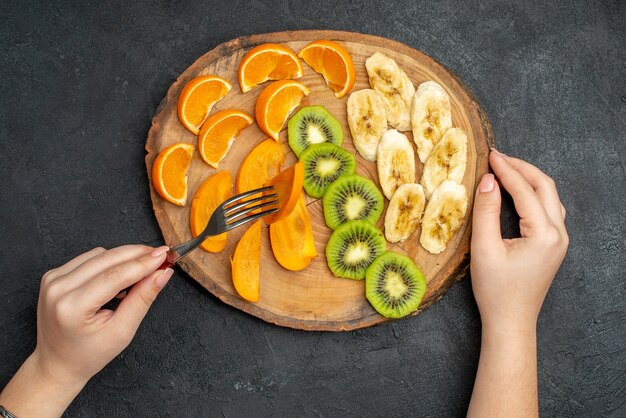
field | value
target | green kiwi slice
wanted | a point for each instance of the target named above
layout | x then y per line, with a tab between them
352	247
323	164
394	285
351	198
313	125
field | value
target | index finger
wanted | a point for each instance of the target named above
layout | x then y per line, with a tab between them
544	187
103	287
527	203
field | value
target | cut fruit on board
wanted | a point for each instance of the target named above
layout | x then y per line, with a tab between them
288	188
246	264
268	62
333	62
169	172
218	134
213	191
292	238
275	104
260	166
313	299
198	97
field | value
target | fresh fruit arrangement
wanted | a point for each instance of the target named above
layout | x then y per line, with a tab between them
352	204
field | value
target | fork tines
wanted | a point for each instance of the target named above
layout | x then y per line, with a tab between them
235	208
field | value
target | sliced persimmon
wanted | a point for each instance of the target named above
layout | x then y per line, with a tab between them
292	238
212	193
219	132
198	97
268	62
169	172
260	165
288	187
275	104
246	264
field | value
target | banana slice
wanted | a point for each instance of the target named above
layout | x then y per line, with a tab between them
431	117
396	162
443	216
394	87
367	120
404	212
447	161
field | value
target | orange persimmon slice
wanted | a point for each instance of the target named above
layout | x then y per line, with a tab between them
212	193
169	172
288	187
292	238
260	165
246	264
219	132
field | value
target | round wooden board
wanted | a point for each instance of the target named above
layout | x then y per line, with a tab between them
312	299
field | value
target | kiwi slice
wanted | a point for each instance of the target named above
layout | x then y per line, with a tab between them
351	198
313	125
394	285
352	247
323	164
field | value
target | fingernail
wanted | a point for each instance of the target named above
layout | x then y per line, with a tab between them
163	278
486	183
497	152
159	251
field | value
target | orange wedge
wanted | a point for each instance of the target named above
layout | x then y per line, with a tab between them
198	97
260	165
169	172
268	62
333	62
288	187
212	193
275	104
219	132
246	264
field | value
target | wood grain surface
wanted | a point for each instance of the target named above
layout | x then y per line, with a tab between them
312	299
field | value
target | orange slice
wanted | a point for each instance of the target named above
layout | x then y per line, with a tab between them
169	172
219	132
268	62
288	187
198	97
212	193
246	264
275	104
333	62
260	165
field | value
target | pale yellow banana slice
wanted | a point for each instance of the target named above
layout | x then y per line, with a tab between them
443	216
394	87
396	162
447	161
404	212
367	120
431	117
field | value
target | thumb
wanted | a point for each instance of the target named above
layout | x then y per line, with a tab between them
486	219
134	307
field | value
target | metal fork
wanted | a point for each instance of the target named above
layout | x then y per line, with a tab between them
229	215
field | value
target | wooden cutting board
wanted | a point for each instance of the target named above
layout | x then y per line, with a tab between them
312	299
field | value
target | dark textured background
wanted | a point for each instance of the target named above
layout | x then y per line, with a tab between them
80	83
